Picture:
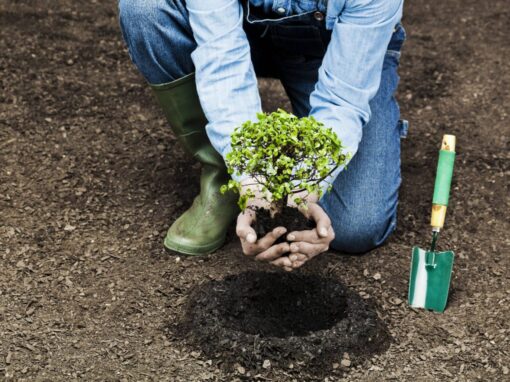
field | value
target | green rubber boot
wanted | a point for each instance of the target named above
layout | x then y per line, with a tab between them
202	228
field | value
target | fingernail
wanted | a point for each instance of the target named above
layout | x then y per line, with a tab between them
294	248
323	231
293	257
281	231
291	237
251	238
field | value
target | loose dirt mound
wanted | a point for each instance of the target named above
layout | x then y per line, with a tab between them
308	321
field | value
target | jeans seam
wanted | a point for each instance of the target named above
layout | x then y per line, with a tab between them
273	21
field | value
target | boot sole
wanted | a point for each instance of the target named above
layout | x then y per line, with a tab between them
176	248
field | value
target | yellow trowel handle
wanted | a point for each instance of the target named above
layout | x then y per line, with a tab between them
443	183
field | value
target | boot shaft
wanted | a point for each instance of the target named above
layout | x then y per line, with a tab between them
181	106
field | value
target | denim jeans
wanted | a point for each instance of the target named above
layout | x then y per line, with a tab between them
363	202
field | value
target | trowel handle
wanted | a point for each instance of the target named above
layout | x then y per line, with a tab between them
443	183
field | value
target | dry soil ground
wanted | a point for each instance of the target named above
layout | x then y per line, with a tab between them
91	176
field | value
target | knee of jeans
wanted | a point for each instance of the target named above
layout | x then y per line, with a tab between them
362	231
139	18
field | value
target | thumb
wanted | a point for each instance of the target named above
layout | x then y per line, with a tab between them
244	229
321	219
322	230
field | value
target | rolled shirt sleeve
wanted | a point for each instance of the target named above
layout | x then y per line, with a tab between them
349	76
226	81
350	73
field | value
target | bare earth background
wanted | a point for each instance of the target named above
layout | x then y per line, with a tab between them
91	177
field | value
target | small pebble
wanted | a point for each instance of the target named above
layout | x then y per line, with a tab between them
346	362
396	301
69	227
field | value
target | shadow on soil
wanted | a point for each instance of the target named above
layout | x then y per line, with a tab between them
289	319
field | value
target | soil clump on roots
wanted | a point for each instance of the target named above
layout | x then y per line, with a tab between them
290	218
305	320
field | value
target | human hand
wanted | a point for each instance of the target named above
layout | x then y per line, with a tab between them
262	249
307	244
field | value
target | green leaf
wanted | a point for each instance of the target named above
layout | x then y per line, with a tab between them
288	152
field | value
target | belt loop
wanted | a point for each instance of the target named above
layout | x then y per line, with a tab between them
403	126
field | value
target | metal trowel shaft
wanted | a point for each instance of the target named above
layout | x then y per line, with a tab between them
435	235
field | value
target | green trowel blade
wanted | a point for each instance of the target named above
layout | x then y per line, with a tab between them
429	282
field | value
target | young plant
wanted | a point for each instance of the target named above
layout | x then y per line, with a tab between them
284	155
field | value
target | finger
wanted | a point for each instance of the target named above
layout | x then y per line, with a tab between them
244	229
321	218
271	237
308	235
263	244
308	249
288	269
282	262
297	257
273	253
298	264
250	249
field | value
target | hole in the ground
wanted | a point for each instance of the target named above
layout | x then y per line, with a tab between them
276	305
285	318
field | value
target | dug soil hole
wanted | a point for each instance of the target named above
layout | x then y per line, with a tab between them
294	319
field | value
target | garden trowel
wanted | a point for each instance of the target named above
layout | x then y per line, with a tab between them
431	270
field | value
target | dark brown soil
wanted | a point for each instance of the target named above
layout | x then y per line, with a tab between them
307	321
288	217
91	177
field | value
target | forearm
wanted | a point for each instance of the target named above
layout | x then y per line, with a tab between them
351	70
226	81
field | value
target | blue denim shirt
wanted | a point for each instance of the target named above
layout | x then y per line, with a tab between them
349	76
